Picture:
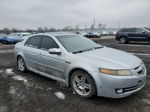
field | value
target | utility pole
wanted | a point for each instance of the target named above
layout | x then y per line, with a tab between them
94	24
119	24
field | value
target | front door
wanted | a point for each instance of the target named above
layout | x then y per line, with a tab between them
51	64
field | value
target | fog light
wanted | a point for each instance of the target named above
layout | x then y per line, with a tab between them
119	91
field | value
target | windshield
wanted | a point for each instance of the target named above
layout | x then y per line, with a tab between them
148	29
76	43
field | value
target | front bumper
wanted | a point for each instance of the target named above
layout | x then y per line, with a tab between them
108	85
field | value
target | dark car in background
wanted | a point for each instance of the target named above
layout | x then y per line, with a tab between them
126	35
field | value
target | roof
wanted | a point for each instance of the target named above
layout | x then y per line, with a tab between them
57	33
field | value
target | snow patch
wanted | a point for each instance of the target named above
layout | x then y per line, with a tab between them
49	88
9	71
12	91
20	78
60	95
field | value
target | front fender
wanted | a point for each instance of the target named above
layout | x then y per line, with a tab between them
91	70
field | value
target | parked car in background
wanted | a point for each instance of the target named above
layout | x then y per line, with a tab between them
81	33
92	35
22	35
126	35
2	35
112	32
104	33
10	39
91	69
98	34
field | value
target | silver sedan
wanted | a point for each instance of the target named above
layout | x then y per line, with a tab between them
91	69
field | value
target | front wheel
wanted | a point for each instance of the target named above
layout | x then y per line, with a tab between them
83	84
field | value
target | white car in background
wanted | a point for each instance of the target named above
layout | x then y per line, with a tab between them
104	33
23	35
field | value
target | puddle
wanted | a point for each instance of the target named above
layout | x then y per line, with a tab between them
6	51
3	108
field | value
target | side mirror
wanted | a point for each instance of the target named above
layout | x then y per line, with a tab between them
55	51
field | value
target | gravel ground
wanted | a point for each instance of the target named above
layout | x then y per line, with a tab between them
29	92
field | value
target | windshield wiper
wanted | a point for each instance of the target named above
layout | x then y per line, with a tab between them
98	47
81	51
87	50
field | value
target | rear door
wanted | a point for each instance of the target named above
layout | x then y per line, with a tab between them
31	52
51	64
131	33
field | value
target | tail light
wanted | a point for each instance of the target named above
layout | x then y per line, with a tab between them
117	34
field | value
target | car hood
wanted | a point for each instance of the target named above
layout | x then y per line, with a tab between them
110	58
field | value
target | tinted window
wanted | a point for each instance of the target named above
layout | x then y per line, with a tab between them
34	41
48	42
139	30
128	30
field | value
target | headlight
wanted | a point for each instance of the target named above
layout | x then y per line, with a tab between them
115	72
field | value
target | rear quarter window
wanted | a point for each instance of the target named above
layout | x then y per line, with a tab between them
34	41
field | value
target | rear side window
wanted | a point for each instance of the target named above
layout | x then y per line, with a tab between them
34	41
48	43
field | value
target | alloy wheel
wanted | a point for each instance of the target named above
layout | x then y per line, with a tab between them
82	85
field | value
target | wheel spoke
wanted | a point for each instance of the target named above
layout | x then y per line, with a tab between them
77	79
87	86
83	91
83	78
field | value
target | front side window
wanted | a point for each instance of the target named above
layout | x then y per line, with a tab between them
34	41
139	30
48	43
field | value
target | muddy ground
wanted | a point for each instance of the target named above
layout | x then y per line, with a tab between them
29	92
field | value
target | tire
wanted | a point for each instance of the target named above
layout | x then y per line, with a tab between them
3	42
21	64
123	40
83	84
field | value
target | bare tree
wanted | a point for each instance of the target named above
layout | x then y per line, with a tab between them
99	26
40	29
46	29
6	30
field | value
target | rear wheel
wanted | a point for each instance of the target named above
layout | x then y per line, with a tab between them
123	40
21	64
83	84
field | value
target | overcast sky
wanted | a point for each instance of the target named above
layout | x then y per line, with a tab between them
59	13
